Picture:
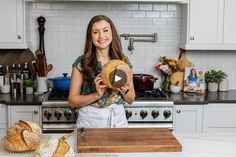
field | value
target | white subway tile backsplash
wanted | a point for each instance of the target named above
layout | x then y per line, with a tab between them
131	6
124	13
145	22
173	22
153	14
66	24
145	7
160	22
117	6
159	7
167	14
172	7
131	21
138	13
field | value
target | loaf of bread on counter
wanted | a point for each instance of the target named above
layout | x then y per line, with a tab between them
23	136
55	148
116	68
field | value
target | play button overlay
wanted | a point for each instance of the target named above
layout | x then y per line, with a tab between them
118	78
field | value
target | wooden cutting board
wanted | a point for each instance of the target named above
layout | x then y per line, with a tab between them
106	140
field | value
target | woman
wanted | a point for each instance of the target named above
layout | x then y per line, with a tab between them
192	77
100	107
192	80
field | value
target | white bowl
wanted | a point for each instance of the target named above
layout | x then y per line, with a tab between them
175	89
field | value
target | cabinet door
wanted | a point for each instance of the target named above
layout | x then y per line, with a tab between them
219	117
3	118
188	118
27	113
205	21
229	22
12	24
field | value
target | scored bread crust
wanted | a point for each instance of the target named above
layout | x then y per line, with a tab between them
20	138
15	142
24	125
109	67
31	139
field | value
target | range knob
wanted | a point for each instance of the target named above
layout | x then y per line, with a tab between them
58	114
143	114
76	114
167	114
48	114
155	113
128	114
68	114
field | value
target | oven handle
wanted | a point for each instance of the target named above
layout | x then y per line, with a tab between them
57	127
151	125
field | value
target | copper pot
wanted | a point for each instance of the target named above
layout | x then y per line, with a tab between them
143	82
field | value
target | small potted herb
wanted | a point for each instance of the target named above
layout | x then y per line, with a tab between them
29	86
214	78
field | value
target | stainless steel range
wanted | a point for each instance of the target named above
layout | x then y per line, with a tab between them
57	116
150	109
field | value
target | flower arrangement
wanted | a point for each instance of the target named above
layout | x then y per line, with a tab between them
167	67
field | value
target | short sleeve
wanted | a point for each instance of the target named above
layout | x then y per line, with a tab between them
128	62
77	63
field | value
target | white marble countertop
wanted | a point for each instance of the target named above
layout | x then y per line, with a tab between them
194	145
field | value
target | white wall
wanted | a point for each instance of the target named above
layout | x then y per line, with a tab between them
66	24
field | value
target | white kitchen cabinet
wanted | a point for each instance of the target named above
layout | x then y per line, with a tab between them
229	22
3	118
208	25
219	117
26	113
12	27
188	118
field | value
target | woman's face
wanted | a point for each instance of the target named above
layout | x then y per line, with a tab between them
101	34
193	72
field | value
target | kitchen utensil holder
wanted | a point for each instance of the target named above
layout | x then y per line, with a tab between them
42	84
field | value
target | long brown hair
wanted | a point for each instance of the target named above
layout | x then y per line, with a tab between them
89	61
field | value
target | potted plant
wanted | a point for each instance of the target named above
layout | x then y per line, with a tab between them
29	86
213	78
223	85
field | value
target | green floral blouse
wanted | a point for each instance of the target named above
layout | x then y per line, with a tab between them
109	97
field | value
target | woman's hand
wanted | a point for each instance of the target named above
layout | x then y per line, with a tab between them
100	87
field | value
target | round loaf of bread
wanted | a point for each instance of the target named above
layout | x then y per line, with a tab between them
22	136
55	148
115	74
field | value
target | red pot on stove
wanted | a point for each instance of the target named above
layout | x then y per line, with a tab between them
143	82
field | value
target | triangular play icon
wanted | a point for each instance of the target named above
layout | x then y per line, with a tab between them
117	78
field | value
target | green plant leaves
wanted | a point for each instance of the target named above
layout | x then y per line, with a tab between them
215	76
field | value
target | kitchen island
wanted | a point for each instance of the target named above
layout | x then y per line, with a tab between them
193	145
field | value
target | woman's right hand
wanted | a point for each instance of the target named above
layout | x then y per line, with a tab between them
100	87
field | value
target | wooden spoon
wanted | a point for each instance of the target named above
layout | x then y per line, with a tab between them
49	67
